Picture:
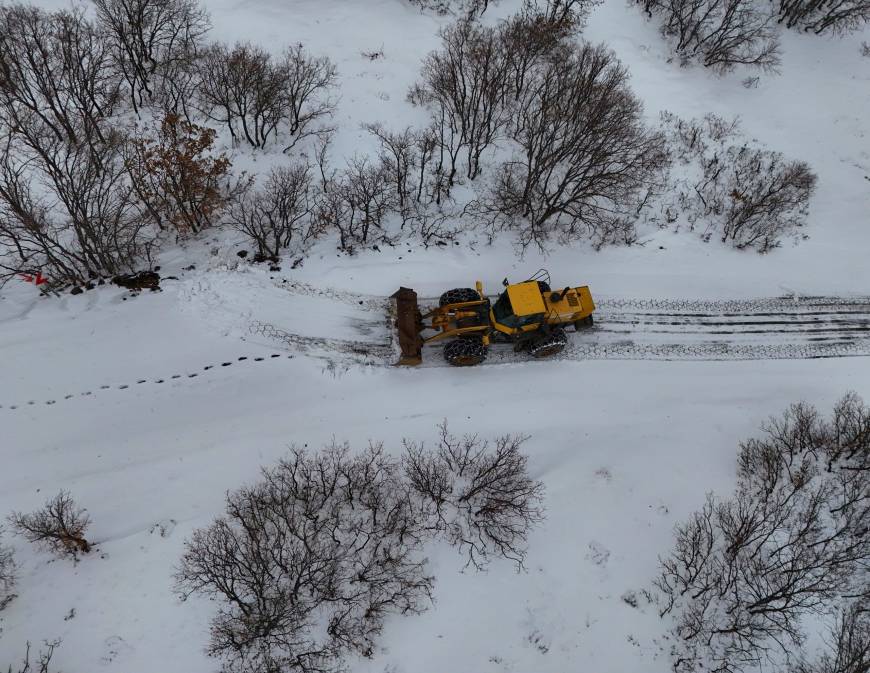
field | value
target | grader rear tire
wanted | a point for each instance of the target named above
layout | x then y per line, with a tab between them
459	295
465	352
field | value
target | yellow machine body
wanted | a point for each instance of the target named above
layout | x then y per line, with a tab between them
522	312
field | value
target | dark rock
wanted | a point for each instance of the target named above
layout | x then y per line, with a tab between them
76	290
242	253
274	267
138	281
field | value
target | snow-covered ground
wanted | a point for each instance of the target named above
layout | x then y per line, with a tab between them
107	407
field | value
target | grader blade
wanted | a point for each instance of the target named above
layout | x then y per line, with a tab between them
409	324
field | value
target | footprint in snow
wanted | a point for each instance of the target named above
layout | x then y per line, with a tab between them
164	527
114	647
598	554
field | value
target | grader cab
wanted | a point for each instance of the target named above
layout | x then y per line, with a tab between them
530	315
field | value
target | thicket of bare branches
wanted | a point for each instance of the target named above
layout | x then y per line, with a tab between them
471	8
281	214
719	34
793	541
152	42
824	16
747	196
478	496
7	573
182	184
464	86
309	561
65	205
59	526
583	154
259	98
848	642
356	200
42	664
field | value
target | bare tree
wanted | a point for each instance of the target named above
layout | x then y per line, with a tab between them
280	214
400	160
793	541
721	34
824	16
59	526
477	496
178	179
582	152
848	643
55	74
7	574
357	201
308	562
41	664
309	82
464	85
84	225
151	40
252	94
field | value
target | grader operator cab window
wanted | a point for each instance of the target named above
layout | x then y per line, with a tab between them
504	314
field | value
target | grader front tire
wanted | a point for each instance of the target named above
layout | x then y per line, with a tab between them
465	352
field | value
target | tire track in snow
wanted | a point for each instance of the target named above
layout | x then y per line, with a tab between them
662	329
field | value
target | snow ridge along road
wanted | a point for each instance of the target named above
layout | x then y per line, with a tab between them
664	329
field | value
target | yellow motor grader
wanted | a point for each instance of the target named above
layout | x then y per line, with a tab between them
529	314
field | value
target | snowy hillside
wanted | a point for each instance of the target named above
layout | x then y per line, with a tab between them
149	407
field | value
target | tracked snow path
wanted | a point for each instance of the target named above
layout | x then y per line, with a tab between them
627	329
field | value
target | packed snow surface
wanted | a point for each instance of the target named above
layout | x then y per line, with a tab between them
149	408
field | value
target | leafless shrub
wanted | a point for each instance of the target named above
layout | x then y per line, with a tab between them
582	154
793	541
747	196
280	214
356	201
865	49
259	98
721	34
151	40
479	497
182	184
59	526
41	664
7	574
308	562
824	16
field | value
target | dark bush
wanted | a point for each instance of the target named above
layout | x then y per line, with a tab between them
793	541
720	34
279	215
59	527
479	497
